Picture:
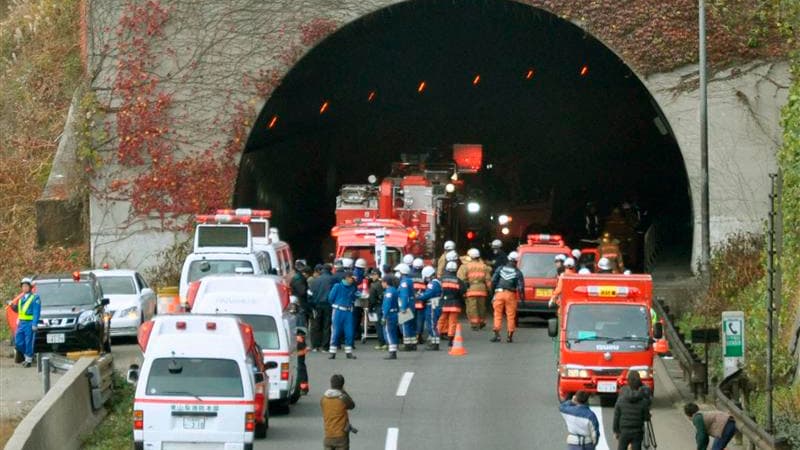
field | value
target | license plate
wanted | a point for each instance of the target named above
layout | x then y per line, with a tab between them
55	338
607	387
194	423
543	292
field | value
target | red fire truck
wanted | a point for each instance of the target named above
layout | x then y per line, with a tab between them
605	330
536	263
378	241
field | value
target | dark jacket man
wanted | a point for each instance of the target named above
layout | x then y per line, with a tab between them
631	412
320	287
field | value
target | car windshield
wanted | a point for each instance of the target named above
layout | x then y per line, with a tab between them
66	293
265	330
607	323
195	377
538	265
117	285
205	267
393	255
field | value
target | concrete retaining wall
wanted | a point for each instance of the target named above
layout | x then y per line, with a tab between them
62	417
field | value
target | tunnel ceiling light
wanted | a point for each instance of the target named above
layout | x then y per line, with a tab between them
450	188
584	70
371	96
324	107
503	219
529	74
476	80
421	87
473	207
272	122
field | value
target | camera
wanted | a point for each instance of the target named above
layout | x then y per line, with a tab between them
352	429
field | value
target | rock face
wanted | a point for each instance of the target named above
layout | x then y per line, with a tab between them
222	59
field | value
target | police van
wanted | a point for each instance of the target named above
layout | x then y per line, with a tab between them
263	302
201	384
221	249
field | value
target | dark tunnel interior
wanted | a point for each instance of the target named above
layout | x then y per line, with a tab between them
555	110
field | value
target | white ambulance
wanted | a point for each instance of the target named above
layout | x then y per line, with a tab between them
201	385
264	303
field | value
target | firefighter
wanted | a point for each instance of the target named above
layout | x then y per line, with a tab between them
408	259
610	250
509	285
478	276
389	309
419	307
569	269
558	261
449	246
28	309
604	266
302	369
431	298
591	221
499	257
405	296
342	297
376	304
453	290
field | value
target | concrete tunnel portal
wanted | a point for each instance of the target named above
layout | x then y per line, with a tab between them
558	114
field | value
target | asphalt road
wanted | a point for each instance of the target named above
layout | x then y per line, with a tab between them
499	396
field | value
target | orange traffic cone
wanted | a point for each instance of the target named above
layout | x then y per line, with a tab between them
458	344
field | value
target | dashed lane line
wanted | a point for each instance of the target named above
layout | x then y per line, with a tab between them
405	382
603	444
391	438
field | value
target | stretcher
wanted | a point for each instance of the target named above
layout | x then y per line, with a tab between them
369	321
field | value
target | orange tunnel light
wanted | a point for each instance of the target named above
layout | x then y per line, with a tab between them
476	80
529	74
421	87
272	122
584	70
324	107
371	96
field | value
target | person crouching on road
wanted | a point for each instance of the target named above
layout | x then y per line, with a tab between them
453	290
390	308
509	285
28	309
631	412
582	424
342	297
335	403
430	297
717	424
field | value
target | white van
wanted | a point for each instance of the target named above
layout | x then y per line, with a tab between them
199	385
221	249
263	303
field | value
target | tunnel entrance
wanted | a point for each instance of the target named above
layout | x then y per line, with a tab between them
559	116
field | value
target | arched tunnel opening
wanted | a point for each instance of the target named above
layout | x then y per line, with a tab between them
561	118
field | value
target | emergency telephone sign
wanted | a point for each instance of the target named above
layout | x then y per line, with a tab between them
732	341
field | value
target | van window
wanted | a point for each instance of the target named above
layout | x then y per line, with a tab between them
117	285
202	377
538	265
205	267
264	329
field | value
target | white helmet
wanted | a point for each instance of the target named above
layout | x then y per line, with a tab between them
417	263
347	263
560	257
584	271
604	263
408	259
428	272
27	281
513	256
576	254
451	266
626	272
569	262
402	268
474	253
497	243
361	263
449	245
451	256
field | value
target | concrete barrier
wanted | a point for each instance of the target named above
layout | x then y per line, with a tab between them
63	417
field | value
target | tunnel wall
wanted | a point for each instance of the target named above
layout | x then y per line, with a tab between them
222	59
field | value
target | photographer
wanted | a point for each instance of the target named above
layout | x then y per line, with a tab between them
335	403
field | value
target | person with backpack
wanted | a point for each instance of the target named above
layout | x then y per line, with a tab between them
631	412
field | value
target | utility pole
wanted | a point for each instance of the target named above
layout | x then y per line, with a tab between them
770	294
705	239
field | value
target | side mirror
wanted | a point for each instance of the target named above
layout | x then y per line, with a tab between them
147	291
658	330
271	365
259	377
133	374
552	327
105	302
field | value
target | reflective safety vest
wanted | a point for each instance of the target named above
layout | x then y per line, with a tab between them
24	305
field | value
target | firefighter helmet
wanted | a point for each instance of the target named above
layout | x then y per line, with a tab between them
569	262
560	257
417	263
27	281
513	256
576	254
428	272
449	245
347	263
604	264
408	259
451	256
451	266
497	243
361	263
402	268
584	271
474	253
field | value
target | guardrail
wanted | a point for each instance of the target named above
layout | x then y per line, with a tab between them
695	371
651	247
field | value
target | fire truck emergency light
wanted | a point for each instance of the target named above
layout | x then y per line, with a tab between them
260	213
468	157
470	235
545	239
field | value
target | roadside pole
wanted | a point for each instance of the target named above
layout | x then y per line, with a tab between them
705	257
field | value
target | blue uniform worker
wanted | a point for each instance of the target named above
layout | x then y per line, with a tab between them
419	306
28	309
389	308
342	298
405	295
431	297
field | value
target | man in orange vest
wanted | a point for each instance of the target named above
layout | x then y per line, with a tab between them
453	291
478	276
610	250
569	269
509	287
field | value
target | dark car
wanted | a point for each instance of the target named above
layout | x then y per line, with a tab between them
73	315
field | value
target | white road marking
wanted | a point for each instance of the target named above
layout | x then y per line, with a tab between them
405	382
391	438
603	444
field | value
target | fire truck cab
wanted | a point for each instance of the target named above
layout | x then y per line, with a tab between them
536	262
604	330
379	241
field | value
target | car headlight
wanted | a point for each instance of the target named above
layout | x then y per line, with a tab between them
645	373
130	313
86	318
574	372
